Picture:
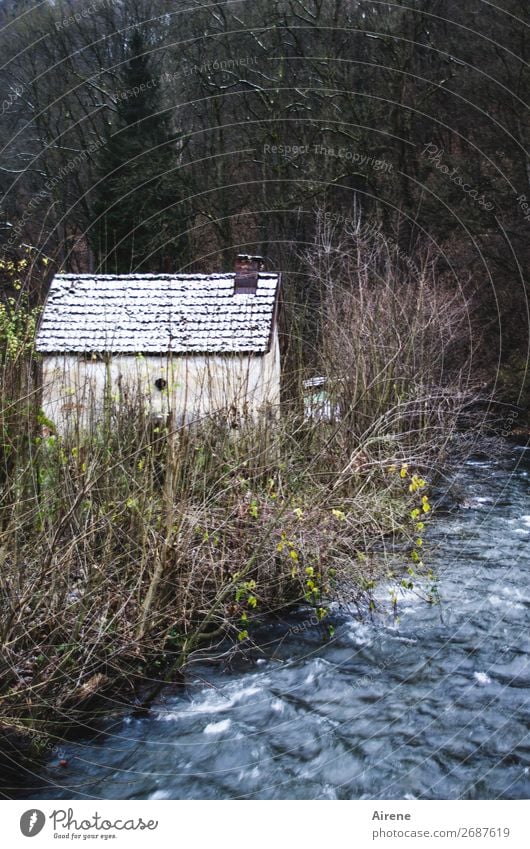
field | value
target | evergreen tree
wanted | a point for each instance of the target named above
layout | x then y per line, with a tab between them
139	224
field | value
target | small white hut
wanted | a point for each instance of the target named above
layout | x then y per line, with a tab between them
192	344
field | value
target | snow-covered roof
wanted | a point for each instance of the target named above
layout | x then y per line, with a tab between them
157	313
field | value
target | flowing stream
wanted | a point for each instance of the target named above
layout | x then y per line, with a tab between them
434	705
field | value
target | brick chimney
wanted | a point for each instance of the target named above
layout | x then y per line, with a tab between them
247	271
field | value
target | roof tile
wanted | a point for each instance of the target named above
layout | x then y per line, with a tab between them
153	314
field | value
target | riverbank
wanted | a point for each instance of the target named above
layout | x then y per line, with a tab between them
139	545
429	705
